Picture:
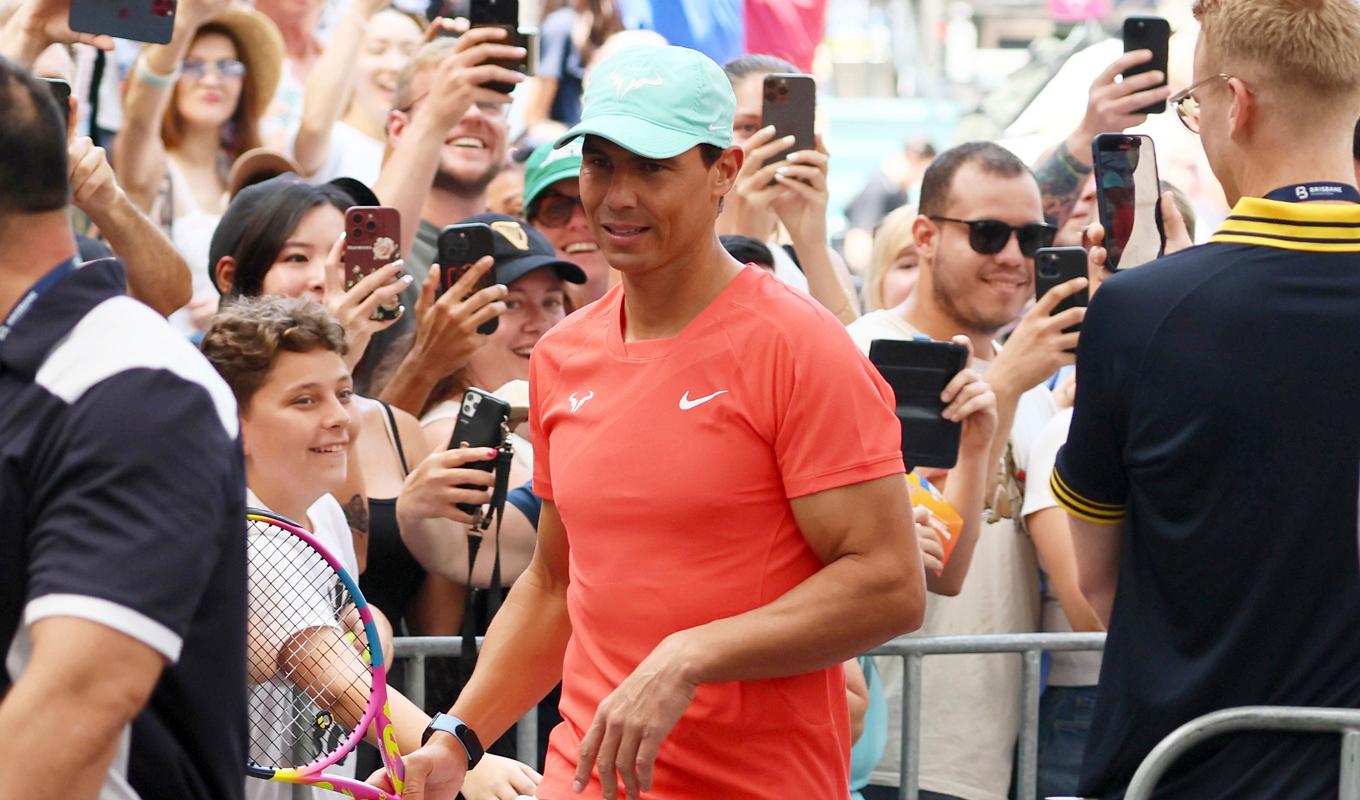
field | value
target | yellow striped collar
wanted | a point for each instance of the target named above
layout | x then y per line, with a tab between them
1311	227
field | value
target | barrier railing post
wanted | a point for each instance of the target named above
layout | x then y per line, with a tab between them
1350	765
1027	774
526	738
911	728
415	680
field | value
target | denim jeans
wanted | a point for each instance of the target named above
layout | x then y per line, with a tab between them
1064	721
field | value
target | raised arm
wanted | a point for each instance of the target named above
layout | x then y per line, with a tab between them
455	84
330	85
39	23
156	273
139	154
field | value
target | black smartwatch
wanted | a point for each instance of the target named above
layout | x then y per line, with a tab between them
465	736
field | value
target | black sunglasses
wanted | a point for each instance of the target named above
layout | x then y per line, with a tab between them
553	210
989	236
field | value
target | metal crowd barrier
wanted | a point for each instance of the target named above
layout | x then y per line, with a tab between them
912	650
1345	722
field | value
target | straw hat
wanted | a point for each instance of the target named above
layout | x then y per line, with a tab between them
261	50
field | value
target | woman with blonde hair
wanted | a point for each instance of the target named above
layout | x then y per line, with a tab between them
893	267
191	108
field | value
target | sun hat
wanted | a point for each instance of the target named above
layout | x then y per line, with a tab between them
259	47
519	249
547	166
657	102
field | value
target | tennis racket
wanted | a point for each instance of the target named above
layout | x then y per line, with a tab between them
317	677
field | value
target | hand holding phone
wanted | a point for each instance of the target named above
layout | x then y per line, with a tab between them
459	247
1054	266
919	371
504	14
1128	193
483	420
790	105
372	241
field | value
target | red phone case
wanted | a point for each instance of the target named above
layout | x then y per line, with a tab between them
372	241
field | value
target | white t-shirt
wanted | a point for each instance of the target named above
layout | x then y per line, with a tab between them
970	711
270	700
353	154
1065	669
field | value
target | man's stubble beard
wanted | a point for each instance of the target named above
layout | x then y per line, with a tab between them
971	323
448	182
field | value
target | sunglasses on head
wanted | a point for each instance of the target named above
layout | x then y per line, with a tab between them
989	236
553	210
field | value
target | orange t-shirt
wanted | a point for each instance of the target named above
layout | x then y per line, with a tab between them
672	463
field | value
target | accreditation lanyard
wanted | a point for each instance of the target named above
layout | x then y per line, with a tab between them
1324	190
25	303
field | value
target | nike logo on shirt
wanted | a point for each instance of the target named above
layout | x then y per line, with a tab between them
686	404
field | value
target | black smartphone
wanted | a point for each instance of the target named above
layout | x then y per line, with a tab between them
372	241
150	21
61	92
1058	265
790	105
483	421
504	14
1128	192
461	246
918	370
1148	33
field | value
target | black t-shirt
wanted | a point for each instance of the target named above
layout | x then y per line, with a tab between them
1216	416
123	489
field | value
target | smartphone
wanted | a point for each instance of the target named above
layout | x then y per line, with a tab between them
1148	33
918	370
372	241
1058	265
61	92
504	14
483	421
460	246
140	20
1127	198
791	107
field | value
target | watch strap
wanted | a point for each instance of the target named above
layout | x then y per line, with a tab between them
459	730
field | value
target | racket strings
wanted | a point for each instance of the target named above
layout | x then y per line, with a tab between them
308	652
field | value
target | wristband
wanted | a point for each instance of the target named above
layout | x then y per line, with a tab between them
154	79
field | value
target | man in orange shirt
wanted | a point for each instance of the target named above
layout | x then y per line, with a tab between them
724	520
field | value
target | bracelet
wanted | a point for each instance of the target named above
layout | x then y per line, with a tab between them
1070	162
154	79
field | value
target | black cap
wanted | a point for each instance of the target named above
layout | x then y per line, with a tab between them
520	249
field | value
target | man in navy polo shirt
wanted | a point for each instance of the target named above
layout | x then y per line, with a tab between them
122	546
1213	462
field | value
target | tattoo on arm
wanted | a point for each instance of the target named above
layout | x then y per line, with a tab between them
356	513
1059	184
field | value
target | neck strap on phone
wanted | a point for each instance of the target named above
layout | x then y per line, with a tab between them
1322	190
467	658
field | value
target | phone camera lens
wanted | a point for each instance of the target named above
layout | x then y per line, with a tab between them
371	225
356	218
358	233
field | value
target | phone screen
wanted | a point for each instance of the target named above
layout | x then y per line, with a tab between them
1127	193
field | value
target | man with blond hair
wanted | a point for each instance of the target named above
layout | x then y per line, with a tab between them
1213	461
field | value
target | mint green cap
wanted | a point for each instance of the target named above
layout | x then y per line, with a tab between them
547	166
657	102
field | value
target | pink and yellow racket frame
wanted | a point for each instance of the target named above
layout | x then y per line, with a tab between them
377	713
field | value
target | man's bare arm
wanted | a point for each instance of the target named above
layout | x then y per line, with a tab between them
1097	549
83	684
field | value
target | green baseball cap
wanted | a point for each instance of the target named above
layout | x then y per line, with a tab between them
547	166
657	102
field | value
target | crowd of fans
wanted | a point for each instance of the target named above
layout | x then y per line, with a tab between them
1169	472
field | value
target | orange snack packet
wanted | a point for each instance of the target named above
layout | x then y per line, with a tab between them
944	518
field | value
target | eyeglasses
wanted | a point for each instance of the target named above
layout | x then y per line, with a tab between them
989	236
1187	105
228	68
553	210
495	110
